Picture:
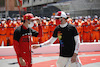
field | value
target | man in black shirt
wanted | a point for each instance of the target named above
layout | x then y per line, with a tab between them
69	41
22	40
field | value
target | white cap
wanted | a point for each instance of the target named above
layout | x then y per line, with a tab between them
80	17
85	20
95	16
76	17
18	18
52	16
48	19
76	21
86	17
14	19
44	17
68	13
89	16
2	18
60	14
9	18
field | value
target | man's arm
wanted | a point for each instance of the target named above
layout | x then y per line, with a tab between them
50	41
39	33
77	42
16	47
40	30
47	43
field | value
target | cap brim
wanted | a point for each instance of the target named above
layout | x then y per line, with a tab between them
35	18
57	16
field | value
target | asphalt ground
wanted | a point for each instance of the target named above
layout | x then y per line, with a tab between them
88	59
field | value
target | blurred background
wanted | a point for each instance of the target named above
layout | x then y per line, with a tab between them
49	7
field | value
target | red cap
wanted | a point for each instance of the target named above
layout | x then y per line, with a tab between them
60	14
28	16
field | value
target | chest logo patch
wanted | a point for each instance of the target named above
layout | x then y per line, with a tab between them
59	35
25	40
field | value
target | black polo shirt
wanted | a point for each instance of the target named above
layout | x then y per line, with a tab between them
21	32
66	38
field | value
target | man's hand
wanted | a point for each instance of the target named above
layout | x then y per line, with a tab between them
37	19
22	61
74	57
35	46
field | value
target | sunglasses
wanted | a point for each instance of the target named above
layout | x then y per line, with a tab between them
58	18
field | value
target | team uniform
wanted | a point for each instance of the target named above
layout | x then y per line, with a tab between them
35	39
46	31
95	31
86	32
22	40
8	32
22	43
12	28
79	29
3	33
52	26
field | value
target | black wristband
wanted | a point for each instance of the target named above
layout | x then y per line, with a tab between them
40	45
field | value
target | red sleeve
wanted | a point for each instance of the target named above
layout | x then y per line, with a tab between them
40	30
17	48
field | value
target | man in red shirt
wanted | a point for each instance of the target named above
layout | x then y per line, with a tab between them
22	40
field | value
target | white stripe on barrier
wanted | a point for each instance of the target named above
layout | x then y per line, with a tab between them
54	48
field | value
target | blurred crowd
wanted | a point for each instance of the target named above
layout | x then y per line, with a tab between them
87	27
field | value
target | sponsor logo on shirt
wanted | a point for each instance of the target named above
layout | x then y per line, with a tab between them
25	40
27	34
60	38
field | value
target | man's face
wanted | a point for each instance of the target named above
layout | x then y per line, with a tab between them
61	20
28	21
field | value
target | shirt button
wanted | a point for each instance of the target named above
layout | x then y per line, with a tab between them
24	52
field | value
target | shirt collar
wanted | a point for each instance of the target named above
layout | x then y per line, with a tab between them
63	25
